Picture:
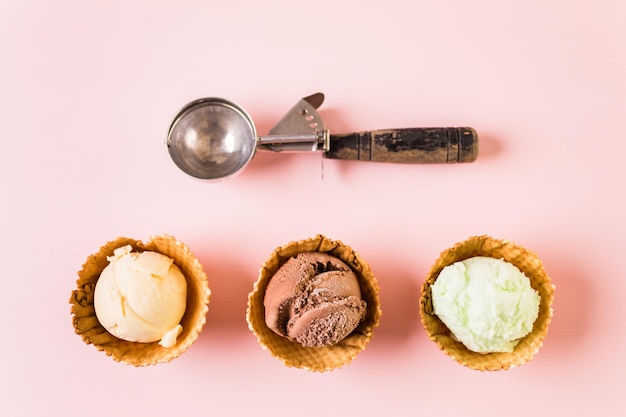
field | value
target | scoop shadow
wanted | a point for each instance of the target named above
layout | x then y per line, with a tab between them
489	146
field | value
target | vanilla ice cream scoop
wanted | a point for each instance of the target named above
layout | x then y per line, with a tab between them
141	297
487	303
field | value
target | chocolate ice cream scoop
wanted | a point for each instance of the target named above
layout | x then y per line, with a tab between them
314	299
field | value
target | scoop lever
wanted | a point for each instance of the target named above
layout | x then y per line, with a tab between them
300	129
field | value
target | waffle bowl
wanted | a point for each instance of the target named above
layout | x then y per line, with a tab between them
316	359
87	326
528	262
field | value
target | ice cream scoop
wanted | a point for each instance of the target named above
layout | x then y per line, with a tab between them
314	299
213	138
487	303
141	297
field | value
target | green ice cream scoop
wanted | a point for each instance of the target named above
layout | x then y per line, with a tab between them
487	303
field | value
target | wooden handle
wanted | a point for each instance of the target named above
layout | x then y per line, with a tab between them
408	146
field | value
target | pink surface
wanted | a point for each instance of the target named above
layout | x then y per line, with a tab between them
88	90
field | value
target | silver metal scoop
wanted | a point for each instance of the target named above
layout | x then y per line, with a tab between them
213	138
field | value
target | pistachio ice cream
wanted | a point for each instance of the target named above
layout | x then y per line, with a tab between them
487	303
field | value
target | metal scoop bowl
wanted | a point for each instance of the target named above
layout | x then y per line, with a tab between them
213	139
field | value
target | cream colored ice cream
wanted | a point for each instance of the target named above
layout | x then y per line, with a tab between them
141	297
487	303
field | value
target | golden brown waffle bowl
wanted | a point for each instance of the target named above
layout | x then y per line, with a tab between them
318	359
86	323
528	262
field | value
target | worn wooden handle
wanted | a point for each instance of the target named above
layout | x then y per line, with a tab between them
409	146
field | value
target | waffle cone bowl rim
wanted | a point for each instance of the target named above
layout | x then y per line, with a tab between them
529	263
87	326
315	359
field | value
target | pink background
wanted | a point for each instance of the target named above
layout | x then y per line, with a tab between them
88	89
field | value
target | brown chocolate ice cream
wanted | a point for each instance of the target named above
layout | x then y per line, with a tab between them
314	299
